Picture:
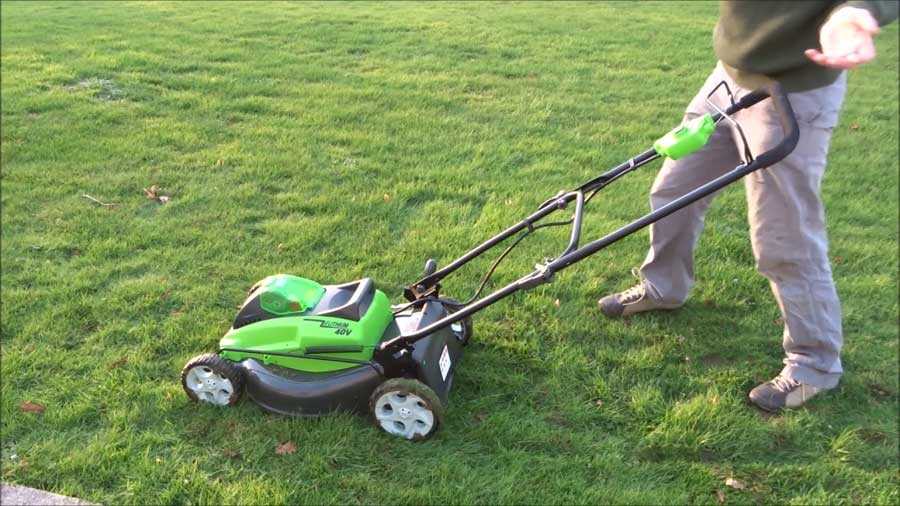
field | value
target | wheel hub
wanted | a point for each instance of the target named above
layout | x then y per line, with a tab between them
404	414
209	386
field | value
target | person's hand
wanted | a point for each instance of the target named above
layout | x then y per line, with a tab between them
846	39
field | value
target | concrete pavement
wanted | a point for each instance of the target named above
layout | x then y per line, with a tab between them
19	495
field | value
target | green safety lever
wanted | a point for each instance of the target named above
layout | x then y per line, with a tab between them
687	138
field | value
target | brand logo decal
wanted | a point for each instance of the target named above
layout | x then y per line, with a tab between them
340	328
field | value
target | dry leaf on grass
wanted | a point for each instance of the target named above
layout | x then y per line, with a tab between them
720	496
556	302
233	454
152	193
286	448
31	407
735	484
118	363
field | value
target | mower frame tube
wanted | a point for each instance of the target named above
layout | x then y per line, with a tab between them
573	254
560	201
779	152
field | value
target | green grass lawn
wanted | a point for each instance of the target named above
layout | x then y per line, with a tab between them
337	141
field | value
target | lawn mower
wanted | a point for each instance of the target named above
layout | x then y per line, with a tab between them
298	347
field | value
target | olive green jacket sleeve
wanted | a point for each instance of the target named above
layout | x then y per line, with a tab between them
761	41
884	11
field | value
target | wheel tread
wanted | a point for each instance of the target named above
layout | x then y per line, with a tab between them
410	386
220	366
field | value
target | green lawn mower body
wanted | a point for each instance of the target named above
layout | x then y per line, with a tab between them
285	316
301	348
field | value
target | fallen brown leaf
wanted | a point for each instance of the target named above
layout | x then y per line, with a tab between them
720	496
598	403
31	407
879	390
735	484
556	302
854	126
286	448
233	454
152	193
118	363
387	197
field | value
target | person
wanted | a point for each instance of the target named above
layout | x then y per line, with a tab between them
756	42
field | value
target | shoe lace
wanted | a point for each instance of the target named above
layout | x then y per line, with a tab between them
632	294
784	384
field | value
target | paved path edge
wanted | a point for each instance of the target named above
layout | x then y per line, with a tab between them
19	495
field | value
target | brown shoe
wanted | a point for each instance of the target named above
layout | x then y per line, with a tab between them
782	392
631	301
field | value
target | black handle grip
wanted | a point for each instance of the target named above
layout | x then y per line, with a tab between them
785	116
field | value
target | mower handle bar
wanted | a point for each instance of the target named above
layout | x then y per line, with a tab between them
572	254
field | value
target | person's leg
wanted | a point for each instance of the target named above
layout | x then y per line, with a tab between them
668	271
787	227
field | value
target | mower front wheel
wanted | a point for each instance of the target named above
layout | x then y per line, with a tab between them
210	378
406	408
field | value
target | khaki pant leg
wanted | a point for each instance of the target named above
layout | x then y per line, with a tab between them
787	227
668	270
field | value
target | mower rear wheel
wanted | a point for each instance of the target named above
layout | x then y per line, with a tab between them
406	408
210	378
462	328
